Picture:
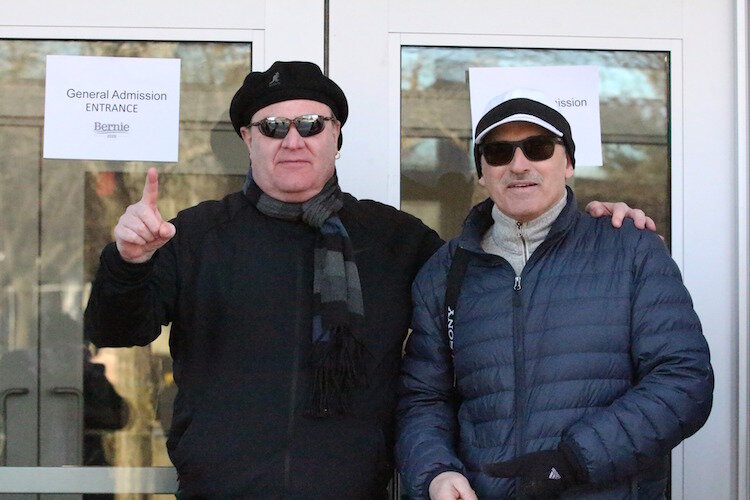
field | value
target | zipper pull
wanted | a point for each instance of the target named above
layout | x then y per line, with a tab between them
517	284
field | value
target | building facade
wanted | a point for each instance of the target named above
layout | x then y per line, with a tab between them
674	112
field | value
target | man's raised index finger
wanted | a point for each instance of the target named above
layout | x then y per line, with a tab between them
151	188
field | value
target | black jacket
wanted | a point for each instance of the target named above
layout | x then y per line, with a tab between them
237	287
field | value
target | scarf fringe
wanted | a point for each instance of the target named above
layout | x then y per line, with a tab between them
338	369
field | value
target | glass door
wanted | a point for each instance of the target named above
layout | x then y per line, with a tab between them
75	419
64	402
404	72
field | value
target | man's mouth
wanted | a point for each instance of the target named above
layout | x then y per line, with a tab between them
519	185
294	161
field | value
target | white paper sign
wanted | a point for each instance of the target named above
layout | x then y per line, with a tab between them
112	108
574	89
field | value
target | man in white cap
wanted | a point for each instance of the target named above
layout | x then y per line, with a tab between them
551	354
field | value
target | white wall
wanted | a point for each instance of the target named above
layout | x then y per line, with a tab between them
710	232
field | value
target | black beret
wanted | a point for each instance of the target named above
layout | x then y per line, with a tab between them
284	81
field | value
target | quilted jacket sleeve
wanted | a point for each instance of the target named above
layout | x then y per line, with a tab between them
672	391
427	423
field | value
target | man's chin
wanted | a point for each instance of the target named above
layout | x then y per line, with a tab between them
522	212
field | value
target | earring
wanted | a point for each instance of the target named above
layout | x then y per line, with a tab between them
338	155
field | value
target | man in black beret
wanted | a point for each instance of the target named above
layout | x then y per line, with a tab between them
289	302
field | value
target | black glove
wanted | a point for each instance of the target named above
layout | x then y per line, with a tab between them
544	474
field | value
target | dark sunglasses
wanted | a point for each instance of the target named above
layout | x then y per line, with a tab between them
535	148
278	126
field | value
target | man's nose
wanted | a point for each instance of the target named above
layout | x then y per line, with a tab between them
292	140
519	163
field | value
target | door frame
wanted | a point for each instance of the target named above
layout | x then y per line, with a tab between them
272	29
673	47
706	206
743	247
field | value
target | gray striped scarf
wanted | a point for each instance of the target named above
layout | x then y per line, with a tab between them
338	312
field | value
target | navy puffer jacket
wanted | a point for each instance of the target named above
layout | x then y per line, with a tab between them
600	348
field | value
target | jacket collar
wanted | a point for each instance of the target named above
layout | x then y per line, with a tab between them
480	219
364	226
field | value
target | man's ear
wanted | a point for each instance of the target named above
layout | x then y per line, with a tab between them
569	169
247	136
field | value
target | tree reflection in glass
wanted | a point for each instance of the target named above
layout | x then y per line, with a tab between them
437	171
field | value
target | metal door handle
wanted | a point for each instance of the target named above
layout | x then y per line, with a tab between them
74	391
14	391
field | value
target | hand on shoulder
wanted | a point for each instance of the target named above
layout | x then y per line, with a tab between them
620	211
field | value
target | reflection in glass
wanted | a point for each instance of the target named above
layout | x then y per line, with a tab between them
438	179
68	403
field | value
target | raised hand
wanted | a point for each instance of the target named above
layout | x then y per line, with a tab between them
141	231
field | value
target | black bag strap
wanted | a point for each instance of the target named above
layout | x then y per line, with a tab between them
456	273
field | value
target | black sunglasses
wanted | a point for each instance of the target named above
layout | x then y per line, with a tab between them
278	126
535	148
